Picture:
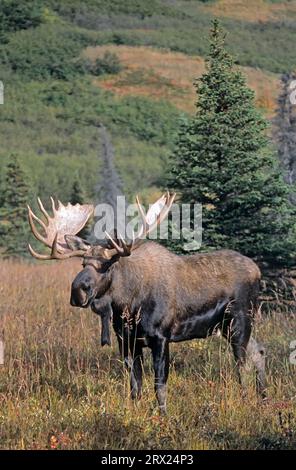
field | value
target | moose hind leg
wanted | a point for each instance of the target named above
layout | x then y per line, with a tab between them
257	354
238	334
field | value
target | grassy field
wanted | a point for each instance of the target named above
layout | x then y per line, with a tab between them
60	390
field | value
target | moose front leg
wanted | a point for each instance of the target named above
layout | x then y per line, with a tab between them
105	326
133	361
136	371
103	308
161	359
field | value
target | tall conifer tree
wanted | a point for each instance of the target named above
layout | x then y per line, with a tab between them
222	160
14	229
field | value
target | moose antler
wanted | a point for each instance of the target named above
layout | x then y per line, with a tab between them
66	220
155	215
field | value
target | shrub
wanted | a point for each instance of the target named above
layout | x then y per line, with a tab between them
145	119
47	51
71	9
109	63
17	14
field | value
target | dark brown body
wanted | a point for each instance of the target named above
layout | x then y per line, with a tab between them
154	296
184	297
158	297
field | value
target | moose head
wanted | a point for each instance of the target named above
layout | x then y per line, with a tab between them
60	236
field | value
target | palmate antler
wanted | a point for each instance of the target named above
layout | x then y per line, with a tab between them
66	220
155	215
70	219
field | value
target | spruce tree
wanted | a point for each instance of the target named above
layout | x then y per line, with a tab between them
77	193
222	160
14	229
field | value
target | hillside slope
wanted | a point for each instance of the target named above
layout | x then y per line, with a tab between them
171	75
54	102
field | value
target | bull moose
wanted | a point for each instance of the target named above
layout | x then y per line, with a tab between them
155	296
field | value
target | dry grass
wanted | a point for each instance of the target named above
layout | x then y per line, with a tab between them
167	75
60	389
253	10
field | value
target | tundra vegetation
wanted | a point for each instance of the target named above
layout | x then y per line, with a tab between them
58	387
61	390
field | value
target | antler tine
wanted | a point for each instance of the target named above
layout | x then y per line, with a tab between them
37	255
63	221
143	216
124	250
55	255
115	245
169	202
127	248
53	205
41	206
169	199
36	218
36	234
159	210
54	251
172	198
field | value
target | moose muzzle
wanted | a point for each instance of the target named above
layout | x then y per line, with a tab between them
82	290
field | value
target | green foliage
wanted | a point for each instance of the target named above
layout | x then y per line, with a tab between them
52	109
53	49
141	8
17	14
77	194
13	211
45	52
148	120
50	149
53	127
266	45
143	118
109	63
222	161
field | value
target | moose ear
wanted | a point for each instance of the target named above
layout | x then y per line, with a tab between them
76	243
